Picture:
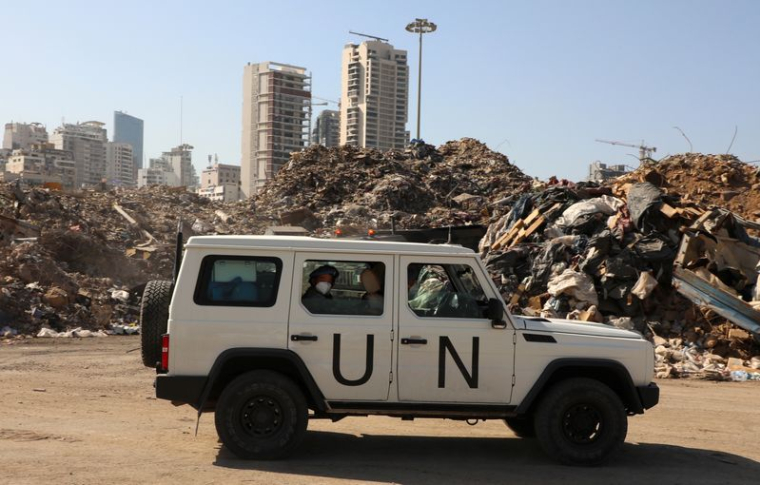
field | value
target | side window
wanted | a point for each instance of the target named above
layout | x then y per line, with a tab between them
343	287
445	291
238	281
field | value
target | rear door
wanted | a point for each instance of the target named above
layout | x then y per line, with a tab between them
345	341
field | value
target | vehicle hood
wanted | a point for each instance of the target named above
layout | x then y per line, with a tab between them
574	327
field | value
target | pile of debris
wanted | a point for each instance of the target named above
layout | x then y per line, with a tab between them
708	180
607	255
81	259
462	182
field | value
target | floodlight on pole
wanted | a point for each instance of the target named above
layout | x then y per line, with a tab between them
420	26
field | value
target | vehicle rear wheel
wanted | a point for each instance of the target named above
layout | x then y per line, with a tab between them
261	415
521	427
154	316
580	422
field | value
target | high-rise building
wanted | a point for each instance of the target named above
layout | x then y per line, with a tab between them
276	101
87	141
374	96
20	136
180	159
128	129
120	165
327	129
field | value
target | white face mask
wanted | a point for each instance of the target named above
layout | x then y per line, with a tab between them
323	287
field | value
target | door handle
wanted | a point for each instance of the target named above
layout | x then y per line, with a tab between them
300	338
414	341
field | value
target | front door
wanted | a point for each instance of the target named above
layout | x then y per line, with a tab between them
344	334
448	352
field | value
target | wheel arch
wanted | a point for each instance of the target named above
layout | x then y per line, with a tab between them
609	372
235	362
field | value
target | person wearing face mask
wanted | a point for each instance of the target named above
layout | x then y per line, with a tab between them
317	297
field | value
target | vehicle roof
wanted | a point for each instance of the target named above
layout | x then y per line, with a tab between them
301	242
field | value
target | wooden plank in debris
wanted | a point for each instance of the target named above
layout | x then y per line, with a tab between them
517	295
669	211
509	235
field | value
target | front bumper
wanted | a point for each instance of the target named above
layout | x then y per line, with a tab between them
649	395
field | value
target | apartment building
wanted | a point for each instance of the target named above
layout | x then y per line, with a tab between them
180	159
20	136
42	163
374	96
276	100
327	129
87	142
120	165
220	182
159	172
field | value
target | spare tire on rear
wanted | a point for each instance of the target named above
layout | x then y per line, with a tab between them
154	316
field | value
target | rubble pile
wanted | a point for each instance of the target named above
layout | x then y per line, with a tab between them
81	259
709	180
461	182
607	255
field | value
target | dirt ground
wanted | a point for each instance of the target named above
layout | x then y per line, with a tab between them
83	411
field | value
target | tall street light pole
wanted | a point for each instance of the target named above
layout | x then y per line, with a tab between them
420	26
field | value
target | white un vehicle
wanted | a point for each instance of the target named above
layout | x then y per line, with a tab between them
270	332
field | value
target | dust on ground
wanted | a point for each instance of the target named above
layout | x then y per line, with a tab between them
84	411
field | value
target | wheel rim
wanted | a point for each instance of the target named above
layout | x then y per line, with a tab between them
261	416
582	424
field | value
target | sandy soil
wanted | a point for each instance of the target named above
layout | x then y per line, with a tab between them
83	411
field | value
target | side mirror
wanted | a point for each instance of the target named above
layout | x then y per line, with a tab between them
496	313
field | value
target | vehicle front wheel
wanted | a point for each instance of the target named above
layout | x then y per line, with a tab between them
580	421
521	427
261	415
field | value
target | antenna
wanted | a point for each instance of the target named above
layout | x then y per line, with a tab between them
180	119
369	36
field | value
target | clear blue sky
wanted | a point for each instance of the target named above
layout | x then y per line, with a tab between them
548	76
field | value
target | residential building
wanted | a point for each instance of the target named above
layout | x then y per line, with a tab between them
276	100
220	174
120	165
180	158
327	129
4	154
220	182
128	129
42	163
160	172
600	172
374	96
87	142
23	135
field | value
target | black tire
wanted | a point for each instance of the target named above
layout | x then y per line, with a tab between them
522	427
154	316
580	421
261	415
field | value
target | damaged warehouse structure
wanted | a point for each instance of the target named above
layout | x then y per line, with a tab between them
667	250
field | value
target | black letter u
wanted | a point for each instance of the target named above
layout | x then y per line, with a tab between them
368	366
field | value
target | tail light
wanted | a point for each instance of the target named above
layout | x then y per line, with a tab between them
165	352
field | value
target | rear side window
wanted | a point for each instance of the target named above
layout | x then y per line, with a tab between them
238	281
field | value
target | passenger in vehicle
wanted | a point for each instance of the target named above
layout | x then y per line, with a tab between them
317	299
373	292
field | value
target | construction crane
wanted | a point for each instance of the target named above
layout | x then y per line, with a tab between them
645	152
369	36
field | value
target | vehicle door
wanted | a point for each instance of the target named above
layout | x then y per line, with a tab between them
448	350
344	338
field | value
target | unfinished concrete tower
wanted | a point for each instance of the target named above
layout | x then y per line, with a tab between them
276	101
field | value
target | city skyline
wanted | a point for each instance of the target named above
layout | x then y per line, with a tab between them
544	80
